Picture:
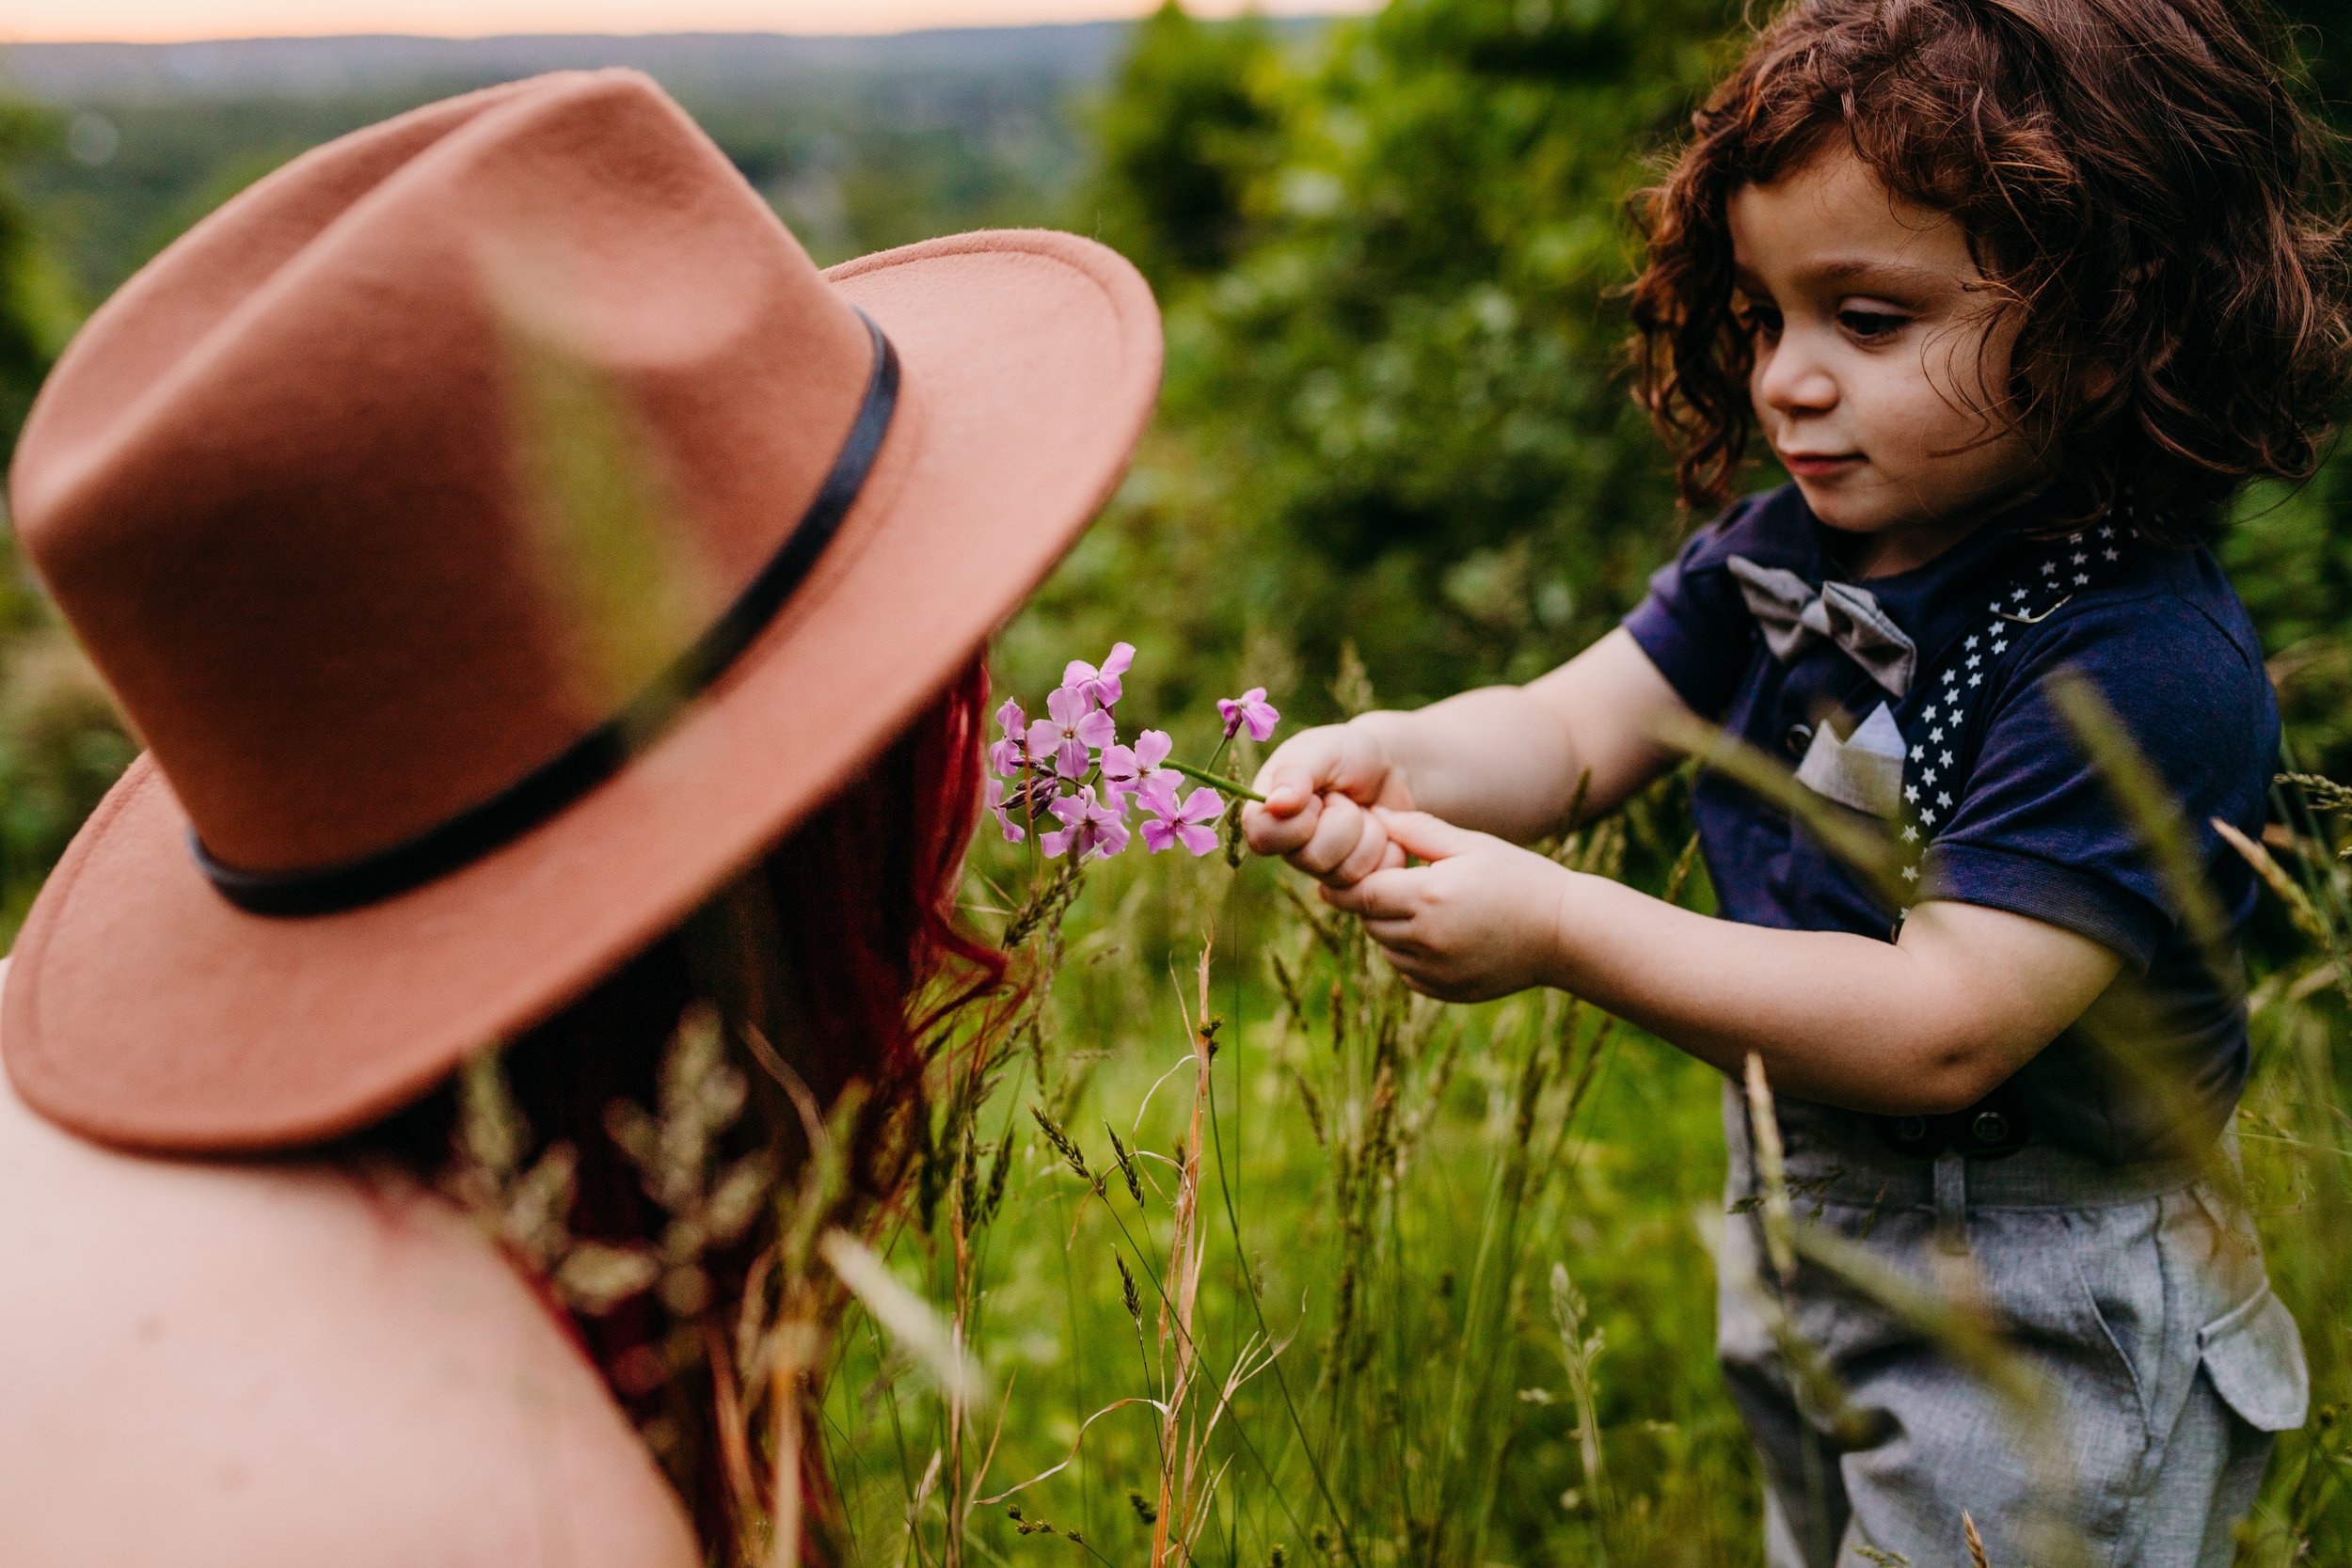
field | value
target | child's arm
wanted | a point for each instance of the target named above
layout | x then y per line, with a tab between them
1504	759
1906	1029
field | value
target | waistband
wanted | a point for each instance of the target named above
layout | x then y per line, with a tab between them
1839	1157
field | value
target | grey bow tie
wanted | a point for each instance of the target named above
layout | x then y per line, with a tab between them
1794	615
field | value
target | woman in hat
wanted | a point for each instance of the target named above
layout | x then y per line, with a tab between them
552	607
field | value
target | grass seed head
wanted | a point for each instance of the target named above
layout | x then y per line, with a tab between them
1126	1166
1062	1143
1127	1291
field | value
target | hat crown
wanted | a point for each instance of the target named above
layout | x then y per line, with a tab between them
381	488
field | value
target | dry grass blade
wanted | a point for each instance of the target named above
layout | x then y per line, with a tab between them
2149	806
1184	1253
2274	876
1976	1543
1845	834
908	1316
1957	1323
1772	1171
1076	1444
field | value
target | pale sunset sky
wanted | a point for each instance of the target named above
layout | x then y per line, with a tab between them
169	20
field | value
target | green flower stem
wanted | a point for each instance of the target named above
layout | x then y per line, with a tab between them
1217	781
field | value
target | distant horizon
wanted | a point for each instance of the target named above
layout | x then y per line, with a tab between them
169	21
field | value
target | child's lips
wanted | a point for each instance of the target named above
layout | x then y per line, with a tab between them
1814	465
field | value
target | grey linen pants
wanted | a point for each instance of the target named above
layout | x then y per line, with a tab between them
2121	1416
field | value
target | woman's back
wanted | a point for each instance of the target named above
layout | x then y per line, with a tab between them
277	1366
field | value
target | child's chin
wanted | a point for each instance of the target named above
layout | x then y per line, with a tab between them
1839	507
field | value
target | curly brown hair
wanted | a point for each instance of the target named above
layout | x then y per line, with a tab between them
2136	182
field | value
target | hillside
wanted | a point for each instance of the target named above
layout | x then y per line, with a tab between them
74	74
860	143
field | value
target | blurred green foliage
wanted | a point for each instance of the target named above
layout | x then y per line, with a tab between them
1186	133
1396	454
61	745
1394	422
36	311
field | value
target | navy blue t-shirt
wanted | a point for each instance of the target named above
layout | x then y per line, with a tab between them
2035	829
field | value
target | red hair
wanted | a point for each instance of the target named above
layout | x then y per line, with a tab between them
814	960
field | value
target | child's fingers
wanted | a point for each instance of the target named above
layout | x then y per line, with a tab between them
1413	967
1268	832
1300	769
1432	838
1371	852
1396	940
1382	896
1340	824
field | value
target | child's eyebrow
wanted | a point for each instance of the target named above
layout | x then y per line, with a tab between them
1848	270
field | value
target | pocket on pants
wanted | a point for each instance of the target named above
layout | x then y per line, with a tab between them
2255	1354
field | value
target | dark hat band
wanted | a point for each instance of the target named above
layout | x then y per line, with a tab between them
564	779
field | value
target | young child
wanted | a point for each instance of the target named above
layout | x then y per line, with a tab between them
2020	293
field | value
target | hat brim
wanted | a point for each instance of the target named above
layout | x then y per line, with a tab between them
144	1010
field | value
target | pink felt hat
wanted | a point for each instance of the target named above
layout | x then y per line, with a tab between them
499	532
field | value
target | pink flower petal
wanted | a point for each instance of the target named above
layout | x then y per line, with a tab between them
1071	760
1099	686
1151	748
1011	717
1097	730
1013	831
1158	791
1196	839
1202	806
1250	709
1158	835
1053	844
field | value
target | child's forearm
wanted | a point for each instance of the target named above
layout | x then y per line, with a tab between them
1927	1025
1515	760
1494	759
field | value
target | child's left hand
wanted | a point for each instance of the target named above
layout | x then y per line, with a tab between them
1481	920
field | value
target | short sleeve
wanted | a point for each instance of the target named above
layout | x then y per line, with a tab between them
2037	829
1694	624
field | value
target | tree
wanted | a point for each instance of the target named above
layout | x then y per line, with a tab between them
1186	130
35	317
1401	397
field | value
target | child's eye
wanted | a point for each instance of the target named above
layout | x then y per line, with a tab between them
1757	320
1866	323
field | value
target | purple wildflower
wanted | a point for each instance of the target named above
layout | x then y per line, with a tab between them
1187	824
1014	833
1125	768
1249	709
1075	727
1008	755
1158	790
1091	830
1099	686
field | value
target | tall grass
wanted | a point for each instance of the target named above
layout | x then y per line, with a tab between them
1270	1261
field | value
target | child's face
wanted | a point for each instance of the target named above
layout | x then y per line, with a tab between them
1879	355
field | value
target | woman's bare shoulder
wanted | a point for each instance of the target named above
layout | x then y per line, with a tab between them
276	1367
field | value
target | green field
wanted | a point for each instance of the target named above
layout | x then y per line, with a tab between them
1454	1265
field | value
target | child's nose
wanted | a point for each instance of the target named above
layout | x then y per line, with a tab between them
1792	379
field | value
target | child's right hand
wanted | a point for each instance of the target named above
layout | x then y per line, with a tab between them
1319	786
